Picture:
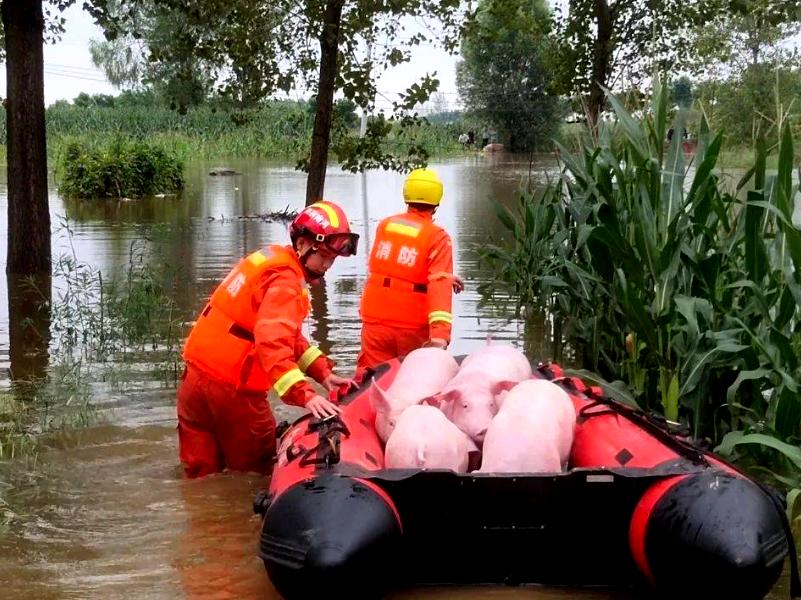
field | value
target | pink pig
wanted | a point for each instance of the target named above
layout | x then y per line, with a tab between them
532	432
469	399
422	373
503	362
424	438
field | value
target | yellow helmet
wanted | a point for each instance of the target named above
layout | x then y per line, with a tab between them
422	186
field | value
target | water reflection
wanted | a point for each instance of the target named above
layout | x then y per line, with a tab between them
29	332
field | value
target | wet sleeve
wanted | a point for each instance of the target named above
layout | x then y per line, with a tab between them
440	290
278	326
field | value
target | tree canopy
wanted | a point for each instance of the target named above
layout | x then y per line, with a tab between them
503	79
621	43
252	50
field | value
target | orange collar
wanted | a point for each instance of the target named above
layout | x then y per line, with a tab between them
423	214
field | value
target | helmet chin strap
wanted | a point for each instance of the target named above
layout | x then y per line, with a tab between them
311	276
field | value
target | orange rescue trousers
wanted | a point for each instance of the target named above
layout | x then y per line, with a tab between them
220	428
381	343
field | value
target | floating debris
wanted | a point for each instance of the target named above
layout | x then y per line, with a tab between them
223	171
285	215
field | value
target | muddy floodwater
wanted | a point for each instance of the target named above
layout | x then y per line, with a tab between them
102	511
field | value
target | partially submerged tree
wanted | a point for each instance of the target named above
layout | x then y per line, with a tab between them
28	214
323	46
26	26
503	80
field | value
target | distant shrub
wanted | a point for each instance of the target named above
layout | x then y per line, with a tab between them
121	169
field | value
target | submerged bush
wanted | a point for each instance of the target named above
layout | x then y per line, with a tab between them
122	169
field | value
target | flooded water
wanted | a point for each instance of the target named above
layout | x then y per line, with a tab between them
102	512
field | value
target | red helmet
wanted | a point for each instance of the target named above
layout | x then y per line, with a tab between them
324	222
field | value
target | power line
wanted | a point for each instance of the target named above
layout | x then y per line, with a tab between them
95	76
92	70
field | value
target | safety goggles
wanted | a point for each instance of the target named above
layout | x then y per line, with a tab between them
342	244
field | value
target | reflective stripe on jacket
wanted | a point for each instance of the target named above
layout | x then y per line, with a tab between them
264	296
410	275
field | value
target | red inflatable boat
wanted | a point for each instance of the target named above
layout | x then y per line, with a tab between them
639	505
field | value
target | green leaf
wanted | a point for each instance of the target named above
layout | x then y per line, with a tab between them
631	129
617	390
704	170
673	176
635	312
738	438
694	364
742	376
787	308
505	217
756	257
671	403
584	232
687	308
788	414
785	174
759	165
553	281
793	506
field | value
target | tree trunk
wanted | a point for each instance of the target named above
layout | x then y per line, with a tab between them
28	214
601	59
28	332
329	48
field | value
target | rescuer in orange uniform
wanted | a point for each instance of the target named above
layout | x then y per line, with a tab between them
248	339
407	298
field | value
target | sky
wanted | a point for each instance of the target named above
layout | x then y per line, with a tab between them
69	70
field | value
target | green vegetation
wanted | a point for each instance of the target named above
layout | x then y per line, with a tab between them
664	281
119	169
98	328
279	129
503	78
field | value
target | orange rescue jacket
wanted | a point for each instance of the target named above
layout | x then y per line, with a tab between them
249	334
410	278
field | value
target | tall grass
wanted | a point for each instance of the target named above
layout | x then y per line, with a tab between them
98	326
664	281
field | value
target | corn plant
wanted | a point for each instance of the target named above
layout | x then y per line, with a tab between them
663	280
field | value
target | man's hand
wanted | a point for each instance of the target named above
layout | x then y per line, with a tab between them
436	343
334	382
458	284
322	408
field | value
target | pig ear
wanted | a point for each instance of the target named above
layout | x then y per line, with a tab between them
502	386
448	397
379	398
447	400
432	400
